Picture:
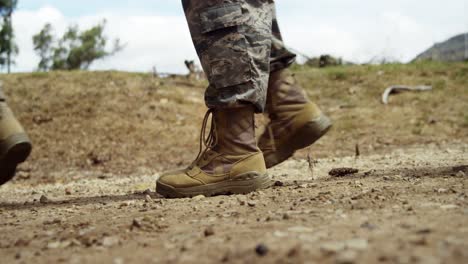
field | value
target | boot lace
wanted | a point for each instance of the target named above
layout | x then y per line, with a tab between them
207	141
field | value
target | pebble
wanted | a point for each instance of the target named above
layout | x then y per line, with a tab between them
118	261
68	191
449	207
347	257
136	223
279	184
53	245
424	230
252	203
368	226
58	244
300	229
148	199
209	231
199	197
418	240
110	241
357	244
44	199
461	174
261	250
332	247
294	251
342	172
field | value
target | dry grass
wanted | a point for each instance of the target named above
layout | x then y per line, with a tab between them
128	123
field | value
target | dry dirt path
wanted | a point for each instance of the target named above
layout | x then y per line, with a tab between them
409	206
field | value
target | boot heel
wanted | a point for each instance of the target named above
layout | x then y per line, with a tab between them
311	132
15	149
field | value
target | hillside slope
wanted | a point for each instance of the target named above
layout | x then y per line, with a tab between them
127	123
453	49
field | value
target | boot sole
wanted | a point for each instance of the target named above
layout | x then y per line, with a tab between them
14	150
304	137
243	184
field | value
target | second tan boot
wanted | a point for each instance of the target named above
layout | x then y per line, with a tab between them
232	163
295	122
15	145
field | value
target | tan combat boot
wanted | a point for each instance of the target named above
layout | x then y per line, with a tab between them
230	164
295	122
15	146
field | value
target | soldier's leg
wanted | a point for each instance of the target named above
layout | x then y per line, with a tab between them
295	122
15	146
233	41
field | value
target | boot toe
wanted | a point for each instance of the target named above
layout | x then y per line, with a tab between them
179	179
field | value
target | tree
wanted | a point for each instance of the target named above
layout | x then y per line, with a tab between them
74	50
42	45
8	47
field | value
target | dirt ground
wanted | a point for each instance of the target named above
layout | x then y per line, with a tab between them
86	195
408	206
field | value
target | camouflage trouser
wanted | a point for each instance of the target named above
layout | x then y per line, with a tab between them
239	44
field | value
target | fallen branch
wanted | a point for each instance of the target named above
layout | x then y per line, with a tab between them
401	88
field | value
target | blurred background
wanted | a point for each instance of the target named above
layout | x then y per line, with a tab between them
153	33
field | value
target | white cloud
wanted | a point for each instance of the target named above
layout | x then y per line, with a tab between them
355	30
150	41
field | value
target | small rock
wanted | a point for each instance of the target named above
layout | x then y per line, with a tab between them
418	240
341	172
357	244
449	207
261	250
118	261
147	192
369	226
209	231
44	199
332	247
347	257
280	234
461	174
300	229
242	202
58	244
148	199
251	203
199	197
110	241
68	191
52	222
424	231
22	243
136	223
294	251
279	184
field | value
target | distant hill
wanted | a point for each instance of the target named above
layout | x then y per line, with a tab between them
454	49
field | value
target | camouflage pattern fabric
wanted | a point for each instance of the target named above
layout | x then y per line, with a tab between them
239	44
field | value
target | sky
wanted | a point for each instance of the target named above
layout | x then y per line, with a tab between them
156	34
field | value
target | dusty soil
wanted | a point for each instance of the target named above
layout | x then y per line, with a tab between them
409	206
101	140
